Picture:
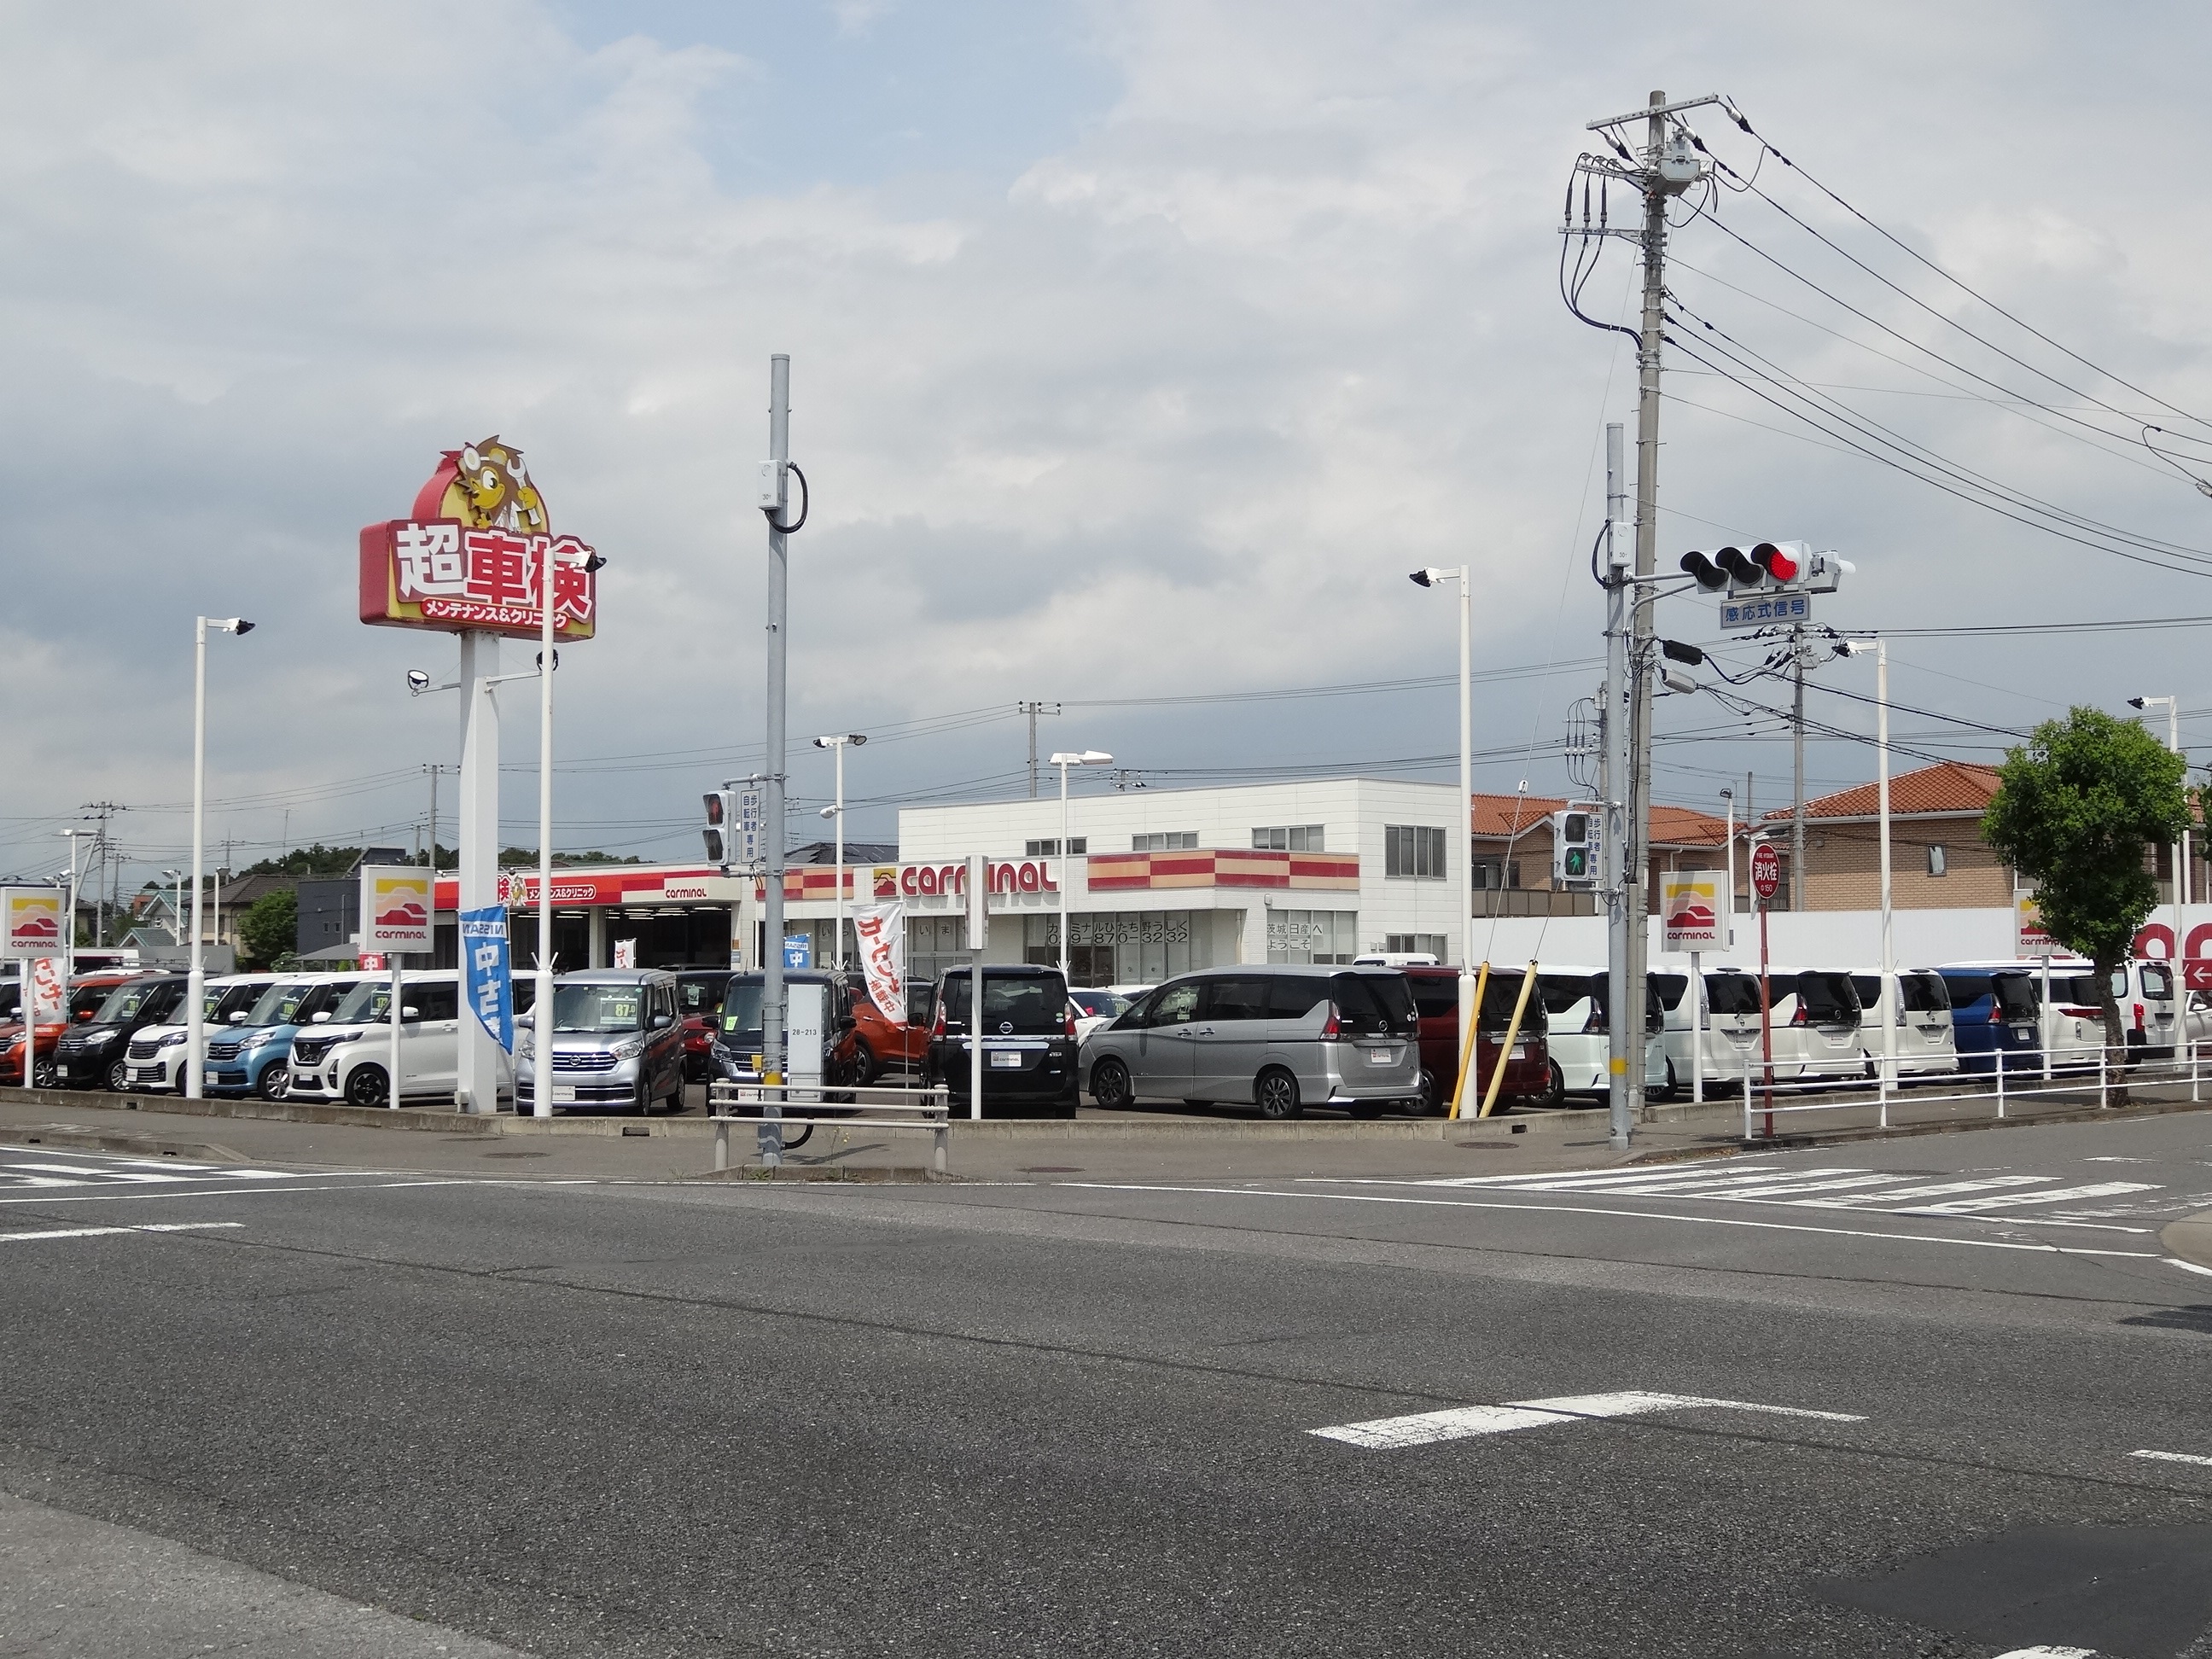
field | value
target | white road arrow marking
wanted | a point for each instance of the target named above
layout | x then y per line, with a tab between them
2173	1457
1463	1422
110	1232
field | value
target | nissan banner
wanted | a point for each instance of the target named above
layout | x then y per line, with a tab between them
490	978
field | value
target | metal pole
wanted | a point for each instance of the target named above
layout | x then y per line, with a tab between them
1891	1009
1728	905
1463	815
1063	871
195	991
1032	709
779	583
543	1107
1615	849
476	871
1697	995
1647	552
838	954
979	907
2180	850
398	1076
1798	749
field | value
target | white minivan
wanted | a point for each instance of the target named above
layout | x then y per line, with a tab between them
1575	1009
1927	1044
1731	1024
349	1057
1816	1015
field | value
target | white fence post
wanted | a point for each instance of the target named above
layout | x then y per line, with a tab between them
2193	1069
2000	1057
2104	1058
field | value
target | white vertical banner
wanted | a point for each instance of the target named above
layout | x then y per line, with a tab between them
49	996
880	930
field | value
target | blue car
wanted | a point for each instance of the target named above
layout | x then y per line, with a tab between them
251	1056
1996	1015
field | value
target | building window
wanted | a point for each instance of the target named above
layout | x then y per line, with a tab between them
1168	841
1413	849
1939	860
1320	936
1288	838
1492	873
1415	945
1077	845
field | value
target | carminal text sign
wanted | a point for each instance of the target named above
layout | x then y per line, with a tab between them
30	921
395	909
1691	908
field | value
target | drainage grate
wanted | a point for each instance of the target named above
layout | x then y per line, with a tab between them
636	1129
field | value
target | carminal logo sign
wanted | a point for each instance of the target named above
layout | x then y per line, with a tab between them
1691	907
396	912
32	920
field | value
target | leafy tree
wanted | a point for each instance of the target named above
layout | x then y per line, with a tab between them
2075	810
316	860
526	858
270	928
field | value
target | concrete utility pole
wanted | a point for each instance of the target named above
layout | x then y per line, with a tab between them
1614	733
1033	709
1797	741
779	583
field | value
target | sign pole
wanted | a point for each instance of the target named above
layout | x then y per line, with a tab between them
1765	882
477	858
979	887
1697	1029
392	1094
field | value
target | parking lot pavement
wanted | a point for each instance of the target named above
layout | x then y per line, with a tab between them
1218	1418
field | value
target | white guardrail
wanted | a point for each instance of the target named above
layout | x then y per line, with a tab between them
772	1107
2017	1075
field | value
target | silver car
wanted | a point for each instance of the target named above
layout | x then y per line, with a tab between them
1280	1038
616	1041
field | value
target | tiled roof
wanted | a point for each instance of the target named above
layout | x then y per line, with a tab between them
1946	787
1671	826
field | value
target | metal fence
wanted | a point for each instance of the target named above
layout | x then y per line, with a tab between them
772	1107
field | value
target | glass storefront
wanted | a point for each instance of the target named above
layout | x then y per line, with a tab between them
1127	947
1324	936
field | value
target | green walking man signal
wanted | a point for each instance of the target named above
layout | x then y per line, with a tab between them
1576	845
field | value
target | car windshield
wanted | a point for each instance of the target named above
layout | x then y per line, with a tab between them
279	1003
1731	994
2078	989
699	996
124	1002
1497	1000
1099	1005
1923	994
1670	988
369	1003
1030	1003
2157	982
599	1008
1561	992
741	1006
1373	1004
1828	999
224	1000
2018	994
87	1000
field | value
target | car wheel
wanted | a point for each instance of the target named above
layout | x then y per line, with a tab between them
1276	1093
1672	1087
43	1074
276	1078
1555	1087
1367	1110
118	1077
864	1069
642	1102
367	1086
1109	1084
1428	1104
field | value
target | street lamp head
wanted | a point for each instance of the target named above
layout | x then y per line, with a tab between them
856	739
2137	702
418	682
1085	758
829	811
1421	578
230	624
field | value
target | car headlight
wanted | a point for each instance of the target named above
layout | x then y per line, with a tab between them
629	1048
173	1039
523	1049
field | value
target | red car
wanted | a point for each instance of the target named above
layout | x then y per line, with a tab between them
699	1008
86	993
1529	1074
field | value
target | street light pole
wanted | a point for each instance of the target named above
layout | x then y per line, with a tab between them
196	990
2181	846
837	744
1462	841
1887	1002
1063	761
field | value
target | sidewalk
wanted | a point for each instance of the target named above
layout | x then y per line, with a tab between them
1137	1144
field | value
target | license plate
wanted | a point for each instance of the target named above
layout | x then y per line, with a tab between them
757	1066
564	1091
1006	1061
1520	1051
1381	1056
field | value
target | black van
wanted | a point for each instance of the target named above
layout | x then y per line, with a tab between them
1028	1042
92	1055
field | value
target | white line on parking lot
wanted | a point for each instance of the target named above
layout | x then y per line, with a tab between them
2190	1266
2173	1457
1463	1422
111	1232
1622	1215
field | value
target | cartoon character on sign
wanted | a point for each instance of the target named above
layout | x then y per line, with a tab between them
497	488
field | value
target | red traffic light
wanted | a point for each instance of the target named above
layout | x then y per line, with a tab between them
713	811
1780	564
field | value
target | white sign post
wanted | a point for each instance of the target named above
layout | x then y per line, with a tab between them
979	923
1693	919
396	916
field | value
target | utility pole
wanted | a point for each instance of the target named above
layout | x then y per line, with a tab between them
1797	743
1033	709
779	584
110	867
434	771
1613	735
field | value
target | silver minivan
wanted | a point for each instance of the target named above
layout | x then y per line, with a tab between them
616	1040
1276	1036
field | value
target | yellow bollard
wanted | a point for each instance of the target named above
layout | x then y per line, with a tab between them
1512	1031
1466	1040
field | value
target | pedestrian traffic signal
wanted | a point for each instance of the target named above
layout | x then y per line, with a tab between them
1576	842
722	826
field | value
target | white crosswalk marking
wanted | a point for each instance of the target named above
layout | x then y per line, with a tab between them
96	1172
37	1169
1827	1187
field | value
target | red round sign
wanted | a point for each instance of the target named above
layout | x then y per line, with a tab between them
1765	869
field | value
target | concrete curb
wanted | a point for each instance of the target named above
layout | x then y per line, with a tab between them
253	1107
2191	1238
121	1141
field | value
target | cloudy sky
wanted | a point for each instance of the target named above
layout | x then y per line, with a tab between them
1138	350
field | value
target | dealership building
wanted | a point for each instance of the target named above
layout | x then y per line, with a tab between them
1153	882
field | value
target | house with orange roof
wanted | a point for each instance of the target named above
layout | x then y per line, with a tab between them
1938	859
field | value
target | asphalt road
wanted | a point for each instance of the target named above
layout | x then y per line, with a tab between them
1799	1404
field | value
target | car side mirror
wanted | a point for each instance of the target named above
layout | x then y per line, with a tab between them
238	1017
845	1023
321	1018
525	1020
661	1022
408	1013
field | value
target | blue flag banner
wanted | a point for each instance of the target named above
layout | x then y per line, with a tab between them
490	978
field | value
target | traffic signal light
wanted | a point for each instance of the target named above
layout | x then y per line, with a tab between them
1768	567
1576	841
720	831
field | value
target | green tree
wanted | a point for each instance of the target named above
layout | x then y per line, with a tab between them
270	928
2076	811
